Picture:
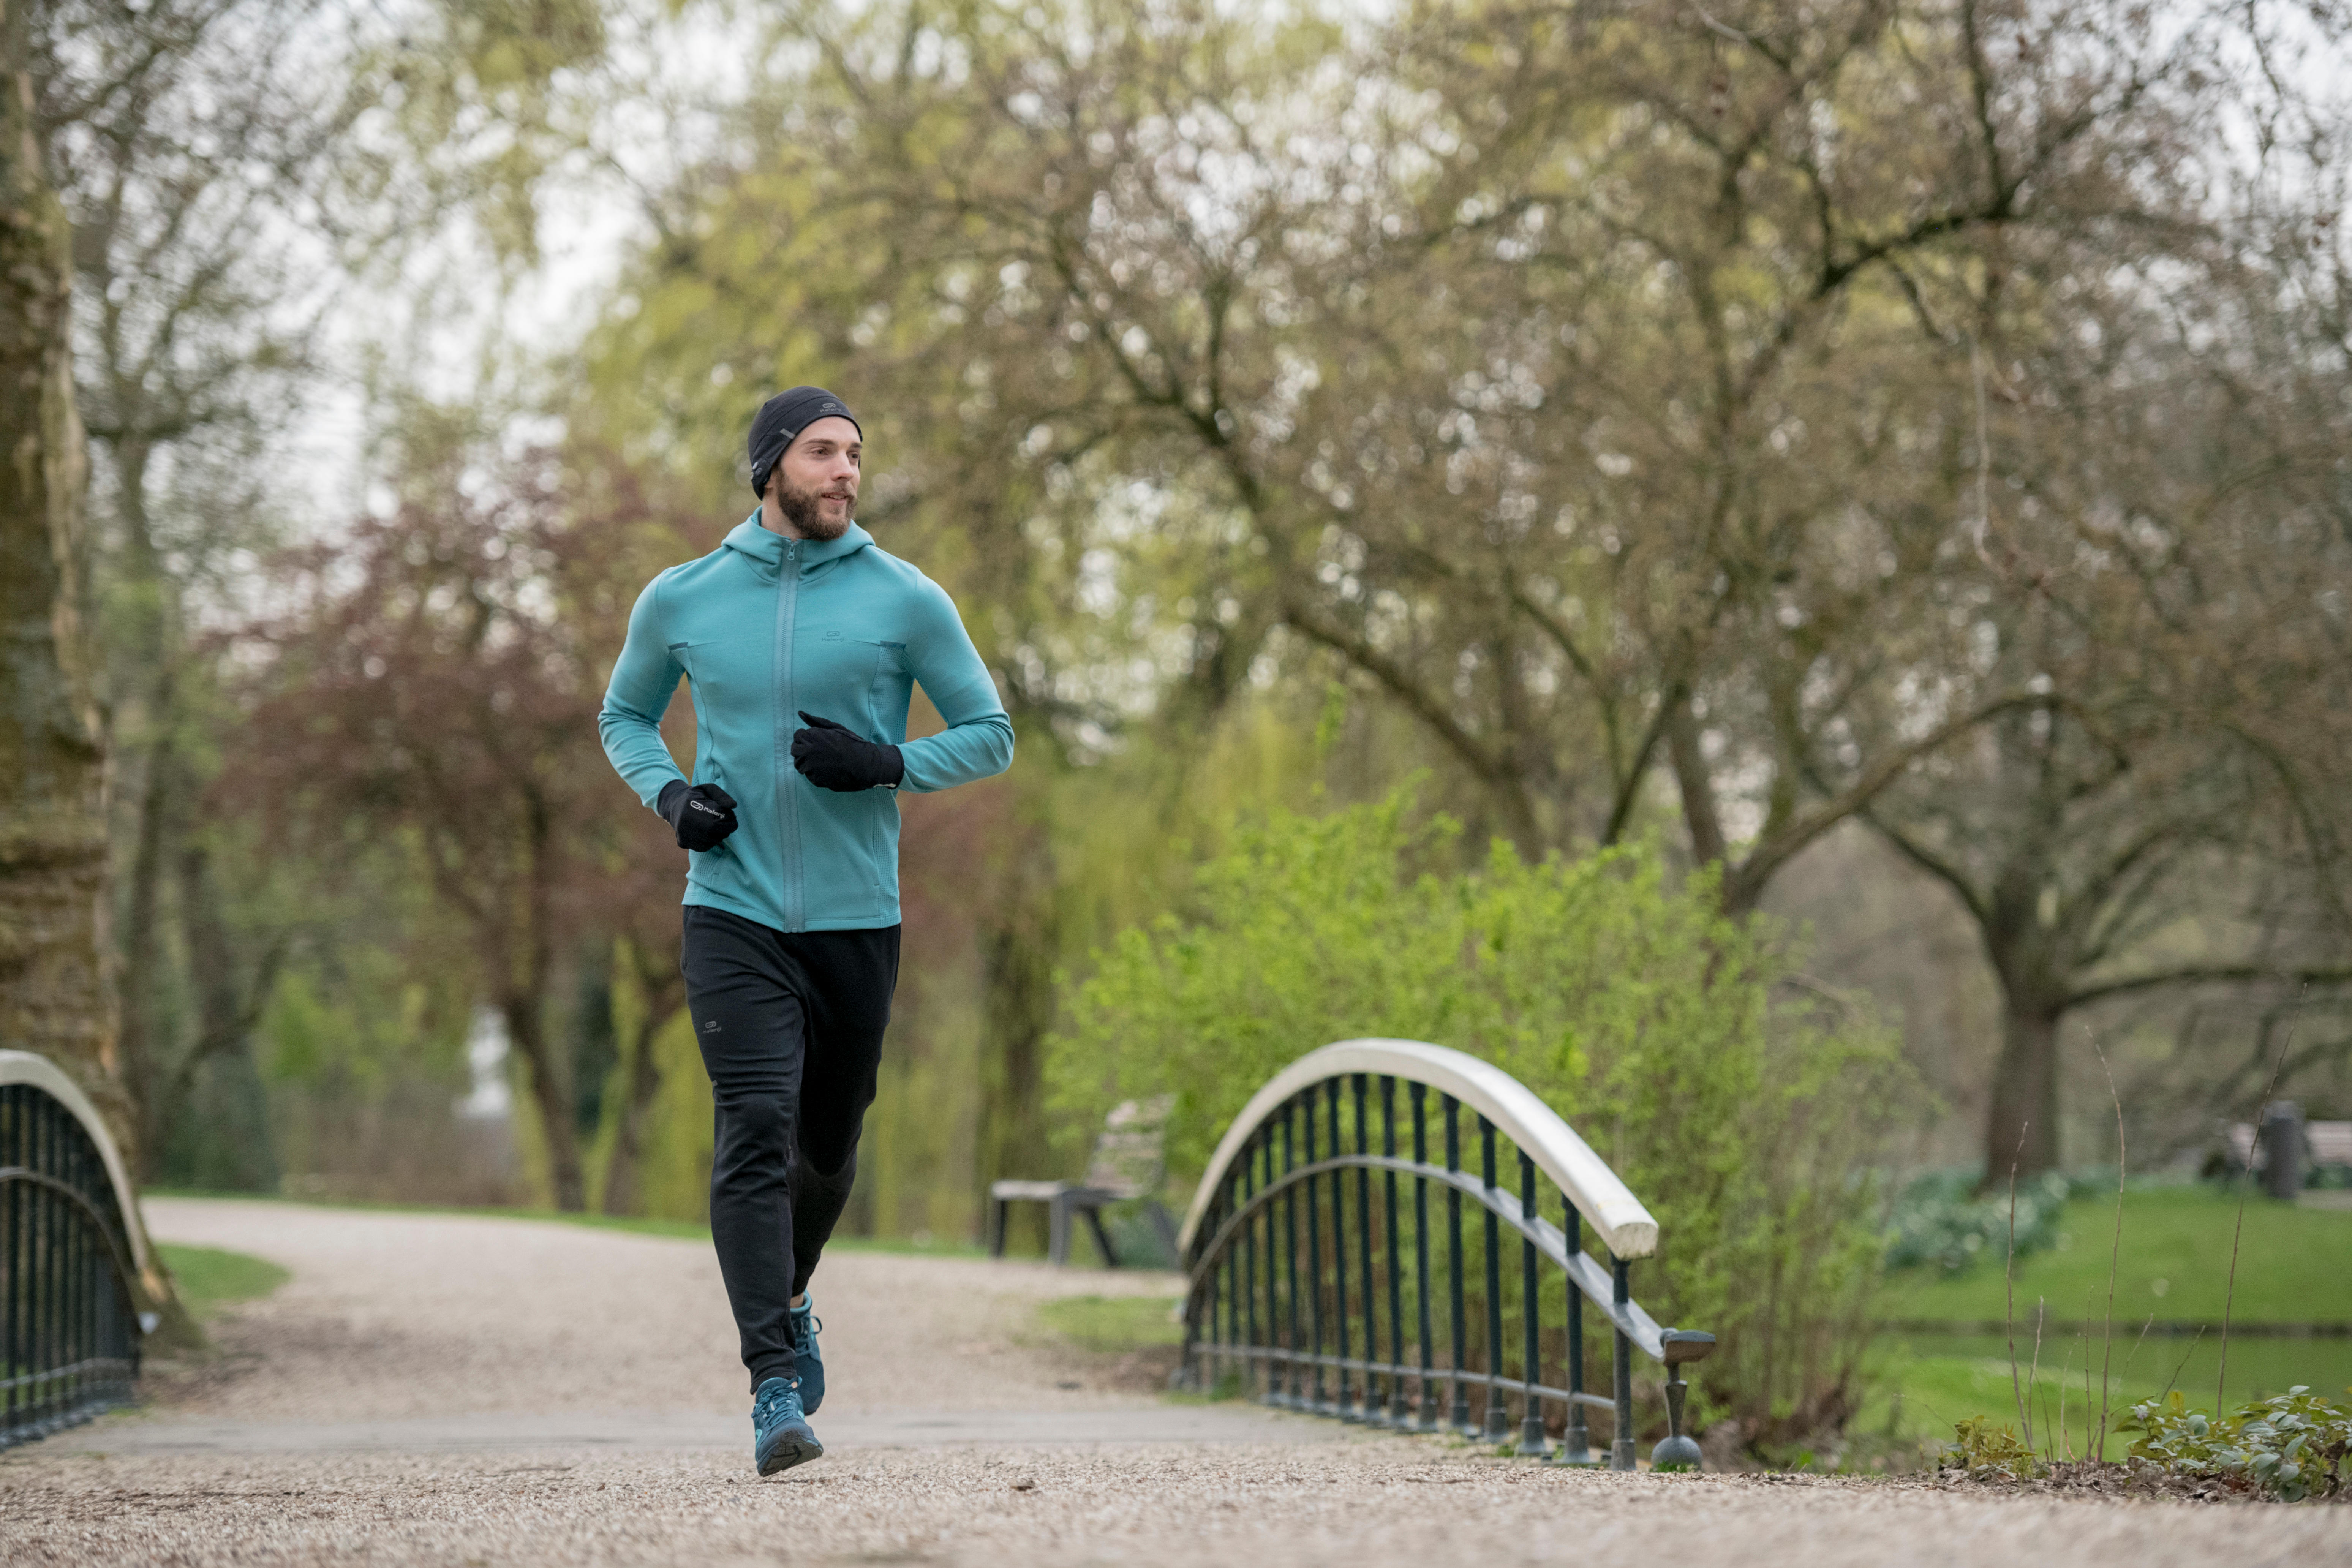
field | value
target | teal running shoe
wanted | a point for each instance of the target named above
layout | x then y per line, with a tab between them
781	1437
802	1324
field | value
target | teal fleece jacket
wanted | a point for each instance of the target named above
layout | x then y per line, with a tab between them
762	628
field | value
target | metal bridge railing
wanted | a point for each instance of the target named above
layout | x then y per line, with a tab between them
70	1268
1320	1280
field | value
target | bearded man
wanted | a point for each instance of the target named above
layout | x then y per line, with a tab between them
800	641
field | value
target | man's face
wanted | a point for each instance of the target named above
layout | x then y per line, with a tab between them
813	486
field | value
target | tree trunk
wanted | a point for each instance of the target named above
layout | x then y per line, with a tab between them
621	1194
552	1094
140	741
1018	951
55	985
661	991
141	949
2022	1128
1695	785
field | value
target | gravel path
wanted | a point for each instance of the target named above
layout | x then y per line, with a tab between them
446	1390
396	1315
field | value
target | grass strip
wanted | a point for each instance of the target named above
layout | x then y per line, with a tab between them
210	1278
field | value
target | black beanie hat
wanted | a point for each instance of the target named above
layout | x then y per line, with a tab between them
784	417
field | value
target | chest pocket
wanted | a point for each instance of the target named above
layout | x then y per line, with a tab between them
832	674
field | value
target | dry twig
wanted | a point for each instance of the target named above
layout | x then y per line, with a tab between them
2230	1297
2114	1258
2008	1280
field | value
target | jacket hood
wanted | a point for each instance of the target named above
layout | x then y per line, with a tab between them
766	547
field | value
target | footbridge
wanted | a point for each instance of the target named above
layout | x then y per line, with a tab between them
1320	1280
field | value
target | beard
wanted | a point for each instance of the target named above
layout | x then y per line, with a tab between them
800	509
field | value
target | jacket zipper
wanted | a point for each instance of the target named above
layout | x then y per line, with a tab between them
787	799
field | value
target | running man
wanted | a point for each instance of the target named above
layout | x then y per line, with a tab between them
801	640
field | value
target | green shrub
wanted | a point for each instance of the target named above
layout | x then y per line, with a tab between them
1741	1113
1986	1450
1941	1219
2292	1446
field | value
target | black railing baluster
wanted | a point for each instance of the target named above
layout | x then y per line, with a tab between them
1249	1267
46	1355
55	1289
1232	1339
1197	1345
1255	1268
1460	1413
1371	1408
1532	1442
70	1387
1235	1373
1421	1256
1620	1446
1189	1356
1498	1419
59	1253
23	1203
1345	1409
36	1237
12	1153
1277	1314
1576	1441
1277	1368
1400	1414
1321	1400
1270	1218
84	1278
1294	1391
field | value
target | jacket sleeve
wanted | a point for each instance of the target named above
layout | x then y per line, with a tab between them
978	740
644	679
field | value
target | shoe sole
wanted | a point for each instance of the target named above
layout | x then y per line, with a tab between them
789	1452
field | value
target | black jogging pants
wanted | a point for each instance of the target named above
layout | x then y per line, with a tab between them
791	1028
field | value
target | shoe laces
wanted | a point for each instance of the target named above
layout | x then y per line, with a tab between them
767	1407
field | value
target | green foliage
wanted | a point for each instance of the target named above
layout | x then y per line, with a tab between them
1635	1009
208	1278
2291	1447
1941	1219
1980	1447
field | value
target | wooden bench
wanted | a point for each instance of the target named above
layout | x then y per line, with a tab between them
1127	1165
2325	1143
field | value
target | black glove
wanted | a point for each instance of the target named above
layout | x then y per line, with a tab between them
833	757
700	815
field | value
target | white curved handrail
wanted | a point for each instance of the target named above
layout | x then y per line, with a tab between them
1608	1205
24	1067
